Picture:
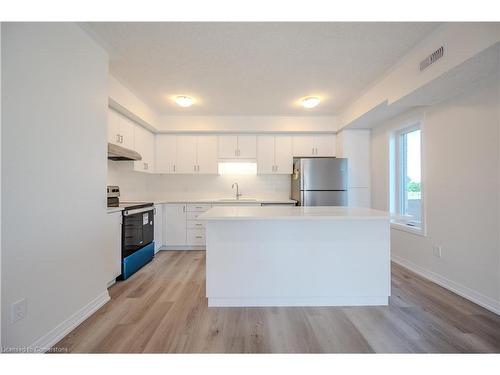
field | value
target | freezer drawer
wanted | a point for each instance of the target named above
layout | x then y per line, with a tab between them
323	198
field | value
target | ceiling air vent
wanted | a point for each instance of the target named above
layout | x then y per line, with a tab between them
432	58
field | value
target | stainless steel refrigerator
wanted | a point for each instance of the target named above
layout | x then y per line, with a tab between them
319	181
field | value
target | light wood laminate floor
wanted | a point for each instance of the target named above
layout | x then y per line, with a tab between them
163	309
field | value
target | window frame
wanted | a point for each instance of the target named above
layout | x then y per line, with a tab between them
400	221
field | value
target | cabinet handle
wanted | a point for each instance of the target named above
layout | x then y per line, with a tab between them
194	167
198	225
174	167
121	138
118	138
183	208
199	237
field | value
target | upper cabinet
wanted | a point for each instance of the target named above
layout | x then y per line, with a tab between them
144	144
186	154
120	130
274	154
237	146
314	145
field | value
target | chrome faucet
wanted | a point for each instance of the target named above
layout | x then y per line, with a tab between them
238	195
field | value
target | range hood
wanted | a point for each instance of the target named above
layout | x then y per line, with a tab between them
116	152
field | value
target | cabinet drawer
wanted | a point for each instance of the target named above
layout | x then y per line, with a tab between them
202	207
193	215
195	224
196	237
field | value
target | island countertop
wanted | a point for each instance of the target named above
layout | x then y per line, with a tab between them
293	213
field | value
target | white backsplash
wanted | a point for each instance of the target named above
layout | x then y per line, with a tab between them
143	186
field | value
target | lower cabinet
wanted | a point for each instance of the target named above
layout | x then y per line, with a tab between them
182	228
112	256
158	231
175	224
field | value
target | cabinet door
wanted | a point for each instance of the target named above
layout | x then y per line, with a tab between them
113	127
142	146
227	146
325	145
127	132
166	151
175	224
150	152
303	145
265	154
207	154
186	154
247	146
158	230
283	159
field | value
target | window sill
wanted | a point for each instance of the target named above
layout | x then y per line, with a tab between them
404	227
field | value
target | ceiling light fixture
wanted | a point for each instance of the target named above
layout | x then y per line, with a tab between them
184	101
310	102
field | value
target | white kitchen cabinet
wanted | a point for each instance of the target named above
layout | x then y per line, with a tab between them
112	255
206	154
247	146
166	153
158	226
175	224
237	146
314	145
325	144
227	146
120	129
113	127
186	154
274	154
145	145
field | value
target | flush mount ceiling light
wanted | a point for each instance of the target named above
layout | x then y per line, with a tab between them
310	102
184	101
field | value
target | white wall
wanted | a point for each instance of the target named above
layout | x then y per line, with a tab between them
248	123
462	41
141	186
124	100
461	171
54	102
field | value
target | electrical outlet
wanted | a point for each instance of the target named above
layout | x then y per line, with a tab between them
17	310
437	251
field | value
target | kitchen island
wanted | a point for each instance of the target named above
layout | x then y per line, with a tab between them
297	256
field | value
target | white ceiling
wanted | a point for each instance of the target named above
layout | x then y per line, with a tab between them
253	68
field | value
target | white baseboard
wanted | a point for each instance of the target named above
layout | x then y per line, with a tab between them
463	291
315	301
48	340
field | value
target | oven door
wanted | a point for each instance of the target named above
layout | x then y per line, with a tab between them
137	229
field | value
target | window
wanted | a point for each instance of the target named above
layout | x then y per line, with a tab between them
408	178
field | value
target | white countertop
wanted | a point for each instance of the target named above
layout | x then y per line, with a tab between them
293	213
244	200
112	210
